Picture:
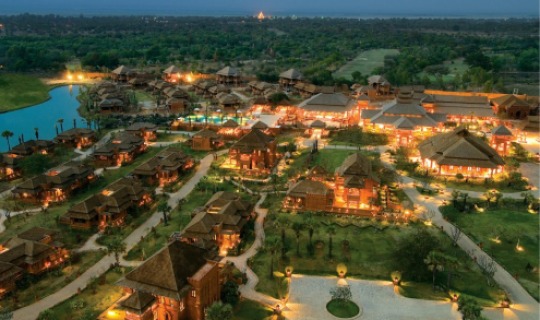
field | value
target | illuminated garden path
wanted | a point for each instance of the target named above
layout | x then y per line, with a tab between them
32	311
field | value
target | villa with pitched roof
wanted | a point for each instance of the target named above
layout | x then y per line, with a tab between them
145	130
121	149
254	153
109	207
511	106
165	167
171	74
56	184
460	151
352	190
288	79
335	109
206	140
77	137
228	76
187	283
501	137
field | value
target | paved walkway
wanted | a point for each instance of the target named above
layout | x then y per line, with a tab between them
248	290
378	300
32	311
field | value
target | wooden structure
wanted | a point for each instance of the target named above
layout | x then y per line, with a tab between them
335	109
145	130
230	129
461	152
165	168
501	137
219	223
109	207
205	140
511	107
55	185
379	86
171	74
254	153
187	283
228	76
229	103
77	137
26	148
121	149
121	74
288	79
460	108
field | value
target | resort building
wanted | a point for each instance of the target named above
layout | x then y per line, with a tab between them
511	106
30	147
461	109
230	130
288	79
121	74
187	283
379	86
9	166
461	152
501	137
229	103
165	168
77	137
145	130
109	207
55	185
228	76
258	88
335	109
254	153
34	251
171	74
219	223
121	149
352	190
206	140
404	119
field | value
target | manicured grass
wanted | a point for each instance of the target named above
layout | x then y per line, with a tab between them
368	256
365	62
251	310
91	302
355	137
499	229
18	91
143	96
345	309
45	284
455	66
167	137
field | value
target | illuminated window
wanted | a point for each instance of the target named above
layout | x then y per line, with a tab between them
193	293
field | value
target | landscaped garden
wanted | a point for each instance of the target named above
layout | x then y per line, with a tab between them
369	249
357	137
100	294
251	310
18	91
507	230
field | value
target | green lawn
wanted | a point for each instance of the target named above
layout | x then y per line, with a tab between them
18	91
455	66
365	62
368	256
346	309
91	302
251	310
499	229
38	287
356	137
143	96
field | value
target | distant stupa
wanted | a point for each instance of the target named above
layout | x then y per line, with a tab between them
261	16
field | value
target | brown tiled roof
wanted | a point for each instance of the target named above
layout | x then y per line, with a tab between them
509	100
501	131
229	99
124	142
292	74
36	234
356	165
58	177
137	126
404	114
138	301
259	125
170	159
230	124
24	251
177	262
305	187
329	102
121	70
172	69
206	133
228	71
460	148
254	140
9	271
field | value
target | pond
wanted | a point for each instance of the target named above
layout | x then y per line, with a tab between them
217	120
63	104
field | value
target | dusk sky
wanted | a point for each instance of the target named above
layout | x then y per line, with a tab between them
480	8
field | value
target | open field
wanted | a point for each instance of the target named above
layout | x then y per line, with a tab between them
18	91
455	66
365	62
509	234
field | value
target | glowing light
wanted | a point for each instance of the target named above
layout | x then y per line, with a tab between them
80	77
189	78
70	76
112	314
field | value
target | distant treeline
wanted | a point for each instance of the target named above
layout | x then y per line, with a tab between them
316	46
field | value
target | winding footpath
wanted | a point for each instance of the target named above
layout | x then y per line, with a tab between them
31	312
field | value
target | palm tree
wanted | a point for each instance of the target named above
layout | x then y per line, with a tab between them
298	227
164	207
464	195
331	230
469	308
272	245
455	196
61	123
218	311
117	246
7	134
435	262
36	132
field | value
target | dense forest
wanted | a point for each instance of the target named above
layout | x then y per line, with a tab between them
317	46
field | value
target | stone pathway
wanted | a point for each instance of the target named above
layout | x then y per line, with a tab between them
248	290
32	311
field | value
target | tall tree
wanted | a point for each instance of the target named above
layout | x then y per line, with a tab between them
331	231
298	227
164	208
61	123
272	245
36	132
7	134
435	262
282	222
219	311
116	246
